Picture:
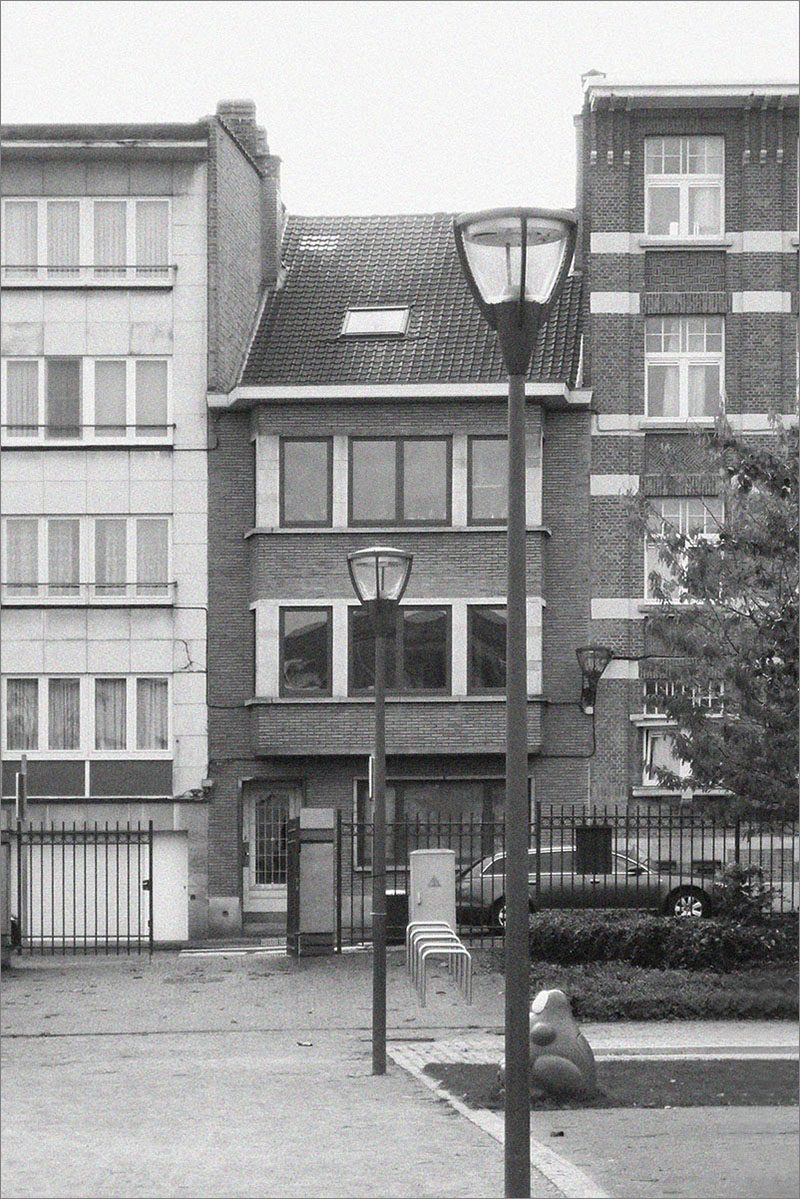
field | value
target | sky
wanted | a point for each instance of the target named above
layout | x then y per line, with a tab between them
378	106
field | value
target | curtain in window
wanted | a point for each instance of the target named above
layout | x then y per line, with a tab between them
63	556
110	557
704	390
22	416
663	390
21	237
22	714
151	398
110	714
22	557
151	557
151	237
110	251
63	397
110	399
151	713
704	211
63	223
64	713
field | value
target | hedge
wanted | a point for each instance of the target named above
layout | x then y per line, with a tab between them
574	938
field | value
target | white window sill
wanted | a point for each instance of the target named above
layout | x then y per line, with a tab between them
83	443
260	530
87	277
91	755
680	423
274	700
89	601
652	242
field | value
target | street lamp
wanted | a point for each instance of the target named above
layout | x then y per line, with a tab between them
515	261
379	576
592	659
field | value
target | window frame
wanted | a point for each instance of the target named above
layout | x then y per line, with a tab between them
304	524
683	181
86	750
472	688
399	655
345	331
288	693
472	519
683	522
88	434
399	482
649	732
87	273
88	587
684	359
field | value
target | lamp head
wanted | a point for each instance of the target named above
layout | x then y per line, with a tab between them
379	573
592	659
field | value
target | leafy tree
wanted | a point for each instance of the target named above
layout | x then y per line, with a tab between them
729	615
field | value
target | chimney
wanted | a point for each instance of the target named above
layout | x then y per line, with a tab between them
239	116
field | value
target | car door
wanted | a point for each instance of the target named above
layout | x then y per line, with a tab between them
628	885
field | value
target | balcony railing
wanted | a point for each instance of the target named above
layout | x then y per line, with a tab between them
151	594
23	434
42	275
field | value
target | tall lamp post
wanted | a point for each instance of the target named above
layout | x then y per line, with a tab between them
515	261
379	576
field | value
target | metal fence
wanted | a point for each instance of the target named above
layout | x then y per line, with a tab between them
82	888
642	859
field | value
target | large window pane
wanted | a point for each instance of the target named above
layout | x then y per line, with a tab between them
63	225
705	211
110	251
152	237
664	205
425	649
488	484
151	398
20	235
305	651
362	654
23	398
63	397
64	713
63	556
151	557
487	649
110	714
151	714
110	401
373	481
425	480
110	556
306	482
22	714
22	557
663	389
704	389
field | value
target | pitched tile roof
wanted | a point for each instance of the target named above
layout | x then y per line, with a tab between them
338	262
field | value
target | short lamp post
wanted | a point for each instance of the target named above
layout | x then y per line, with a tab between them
515	261
592	659
379	576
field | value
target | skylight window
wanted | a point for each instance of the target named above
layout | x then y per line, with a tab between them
375	322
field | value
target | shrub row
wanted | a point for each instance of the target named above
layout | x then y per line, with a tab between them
661	942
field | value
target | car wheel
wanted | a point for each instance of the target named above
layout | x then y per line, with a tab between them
688	901
499	913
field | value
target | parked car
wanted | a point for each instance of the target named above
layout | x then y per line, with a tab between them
480	888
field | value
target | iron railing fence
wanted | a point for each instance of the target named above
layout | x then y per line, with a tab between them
639	859
82	888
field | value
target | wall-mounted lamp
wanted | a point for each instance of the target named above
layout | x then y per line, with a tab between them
592	659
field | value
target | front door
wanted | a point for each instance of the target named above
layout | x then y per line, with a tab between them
266	809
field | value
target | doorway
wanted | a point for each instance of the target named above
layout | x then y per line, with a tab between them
266	809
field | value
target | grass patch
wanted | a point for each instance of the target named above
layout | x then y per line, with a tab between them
754	1082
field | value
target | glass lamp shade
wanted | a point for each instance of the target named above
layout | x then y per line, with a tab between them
593	659
379	573
515	254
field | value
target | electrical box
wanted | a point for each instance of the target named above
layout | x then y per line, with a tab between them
593	849
310	922
432	886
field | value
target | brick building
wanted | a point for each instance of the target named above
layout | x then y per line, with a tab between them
133	258
689	252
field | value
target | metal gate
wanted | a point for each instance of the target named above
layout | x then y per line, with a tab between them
83	888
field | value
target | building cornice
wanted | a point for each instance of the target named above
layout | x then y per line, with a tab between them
246	396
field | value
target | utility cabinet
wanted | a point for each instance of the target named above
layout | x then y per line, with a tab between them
310	917
432	886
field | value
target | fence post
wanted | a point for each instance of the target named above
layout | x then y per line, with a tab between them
737	840
150	892
537	811
338	924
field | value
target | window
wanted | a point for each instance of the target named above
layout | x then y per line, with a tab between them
87	716
69	241
306	481
486	662
655	693
659	752
305	651
375	322
693	517
86	558
684	186
488	480
86	399
418	657
400	480
684	366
